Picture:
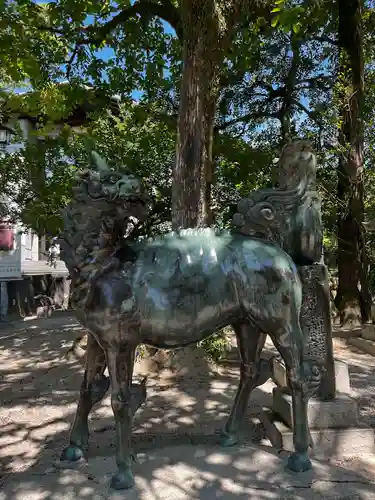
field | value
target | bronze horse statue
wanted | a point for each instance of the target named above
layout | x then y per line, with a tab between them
174	290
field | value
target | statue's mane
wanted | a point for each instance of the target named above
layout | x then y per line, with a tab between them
104	205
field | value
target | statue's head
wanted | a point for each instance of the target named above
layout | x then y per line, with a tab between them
106	190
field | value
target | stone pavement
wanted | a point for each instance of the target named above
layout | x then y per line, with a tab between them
190	472
175	433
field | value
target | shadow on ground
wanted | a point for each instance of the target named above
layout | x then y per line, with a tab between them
39	390
187	472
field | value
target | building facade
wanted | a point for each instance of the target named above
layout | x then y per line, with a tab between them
27	278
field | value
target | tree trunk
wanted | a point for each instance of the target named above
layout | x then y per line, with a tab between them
207	29
352	294
191	183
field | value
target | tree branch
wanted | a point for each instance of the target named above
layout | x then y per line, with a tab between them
317	81
165	10
290	87
247	118
309	113
71	60
143	8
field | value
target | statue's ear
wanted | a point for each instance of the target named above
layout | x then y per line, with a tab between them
100	162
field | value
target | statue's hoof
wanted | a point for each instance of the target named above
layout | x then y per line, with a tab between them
299	462
71	454
122	480
227	439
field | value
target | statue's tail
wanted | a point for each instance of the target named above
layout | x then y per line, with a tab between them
289	215
267	213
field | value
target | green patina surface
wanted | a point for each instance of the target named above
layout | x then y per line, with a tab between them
178	288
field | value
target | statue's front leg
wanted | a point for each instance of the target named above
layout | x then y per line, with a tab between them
303	386
93	389
120	360
299	461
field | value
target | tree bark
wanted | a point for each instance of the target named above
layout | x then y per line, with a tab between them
198	96
352	294
208	26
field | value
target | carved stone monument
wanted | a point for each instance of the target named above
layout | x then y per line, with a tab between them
332	408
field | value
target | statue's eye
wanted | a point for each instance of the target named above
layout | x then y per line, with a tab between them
113	179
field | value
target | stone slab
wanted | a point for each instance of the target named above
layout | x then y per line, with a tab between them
367	346
340	412
341	374
339	443
368	332
279	373
345	333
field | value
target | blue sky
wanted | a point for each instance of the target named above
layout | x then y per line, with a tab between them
107	53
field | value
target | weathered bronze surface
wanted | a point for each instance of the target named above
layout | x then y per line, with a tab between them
174	290
290	216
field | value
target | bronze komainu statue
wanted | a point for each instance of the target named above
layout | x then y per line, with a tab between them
176	289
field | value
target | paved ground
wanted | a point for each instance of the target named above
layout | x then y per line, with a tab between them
186	472
175	434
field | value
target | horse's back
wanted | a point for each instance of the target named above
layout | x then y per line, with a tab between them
206	248
201	280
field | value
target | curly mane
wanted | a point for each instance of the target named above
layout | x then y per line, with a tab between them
103	205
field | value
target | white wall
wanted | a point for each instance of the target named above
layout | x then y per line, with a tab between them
29	246
10	261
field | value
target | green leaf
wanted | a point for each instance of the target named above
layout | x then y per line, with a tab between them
275	21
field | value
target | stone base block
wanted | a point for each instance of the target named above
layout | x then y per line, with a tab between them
339	412
368	332
341	374
345	333
327	443
364	345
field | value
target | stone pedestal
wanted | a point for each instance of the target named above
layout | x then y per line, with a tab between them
342	379
327	442
332	413
334	427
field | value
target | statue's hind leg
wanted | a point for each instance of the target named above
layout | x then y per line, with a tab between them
250	341
290	345
93	389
